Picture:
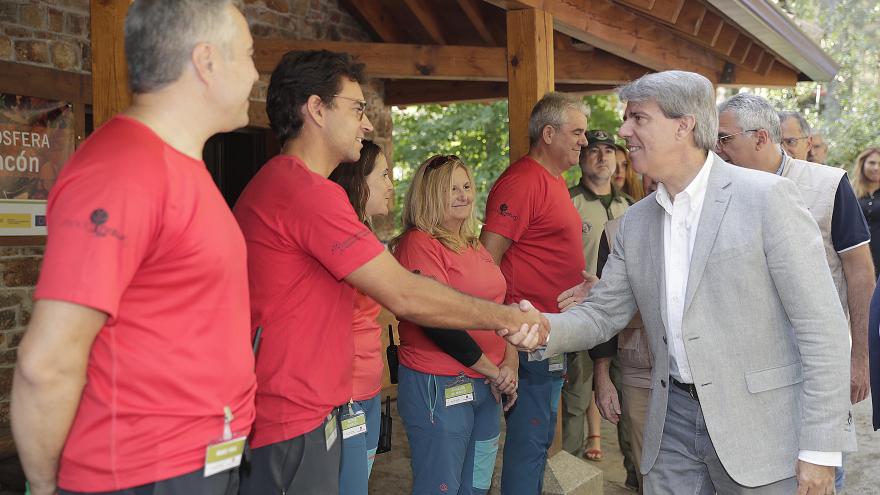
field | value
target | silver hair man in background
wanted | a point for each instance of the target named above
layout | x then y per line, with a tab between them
749	385
796	137
749	136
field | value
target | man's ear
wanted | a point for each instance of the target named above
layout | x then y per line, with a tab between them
686	125
763	139
202	59
547	133
315	109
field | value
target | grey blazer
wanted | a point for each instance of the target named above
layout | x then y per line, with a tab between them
764	332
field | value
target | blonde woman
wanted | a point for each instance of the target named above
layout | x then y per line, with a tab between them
866	182
451	383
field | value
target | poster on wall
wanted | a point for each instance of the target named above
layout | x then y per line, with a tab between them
36	138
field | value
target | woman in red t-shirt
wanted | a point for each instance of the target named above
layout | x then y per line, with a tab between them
451	382
369	189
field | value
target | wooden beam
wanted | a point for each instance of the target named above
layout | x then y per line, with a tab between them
377	19
110	93
257	114
530	70
410	92
691	17
459	63
616	30
52	84
421	9
472	10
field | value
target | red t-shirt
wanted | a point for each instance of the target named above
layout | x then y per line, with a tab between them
303	238
472	272
139	231
534	210
368	365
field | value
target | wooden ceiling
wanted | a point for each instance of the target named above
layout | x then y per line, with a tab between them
453	50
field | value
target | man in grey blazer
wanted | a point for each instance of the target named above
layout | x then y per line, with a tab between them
750	386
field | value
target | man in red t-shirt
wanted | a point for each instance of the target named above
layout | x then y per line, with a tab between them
136	366
306	248
534	232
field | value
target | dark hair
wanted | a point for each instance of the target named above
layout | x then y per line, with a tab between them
353	178
301	74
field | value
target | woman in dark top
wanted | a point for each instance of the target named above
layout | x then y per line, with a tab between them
866	182
451	382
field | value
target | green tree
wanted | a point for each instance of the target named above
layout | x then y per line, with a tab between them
475	132
847	108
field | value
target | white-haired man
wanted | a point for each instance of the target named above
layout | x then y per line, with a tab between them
728	271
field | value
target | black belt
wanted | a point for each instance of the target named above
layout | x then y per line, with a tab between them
690	388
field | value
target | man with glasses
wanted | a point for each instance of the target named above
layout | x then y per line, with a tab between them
831	202
795	134
819	151
306	250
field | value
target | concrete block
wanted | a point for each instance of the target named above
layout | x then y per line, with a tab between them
568	475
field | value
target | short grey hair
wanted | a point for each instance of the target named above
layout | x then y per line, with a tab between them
679	93
550	110
788	114
161	34
753	112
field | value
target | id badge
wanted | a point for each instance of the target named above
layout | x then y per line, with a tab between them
556	363
330	432
353	424
458	392
224	455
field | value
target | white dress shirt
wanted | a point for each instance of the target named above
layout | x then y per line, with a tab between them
679	233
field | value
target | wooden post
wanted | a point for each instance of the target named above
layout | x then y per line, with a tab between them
530	76
529	70
110	92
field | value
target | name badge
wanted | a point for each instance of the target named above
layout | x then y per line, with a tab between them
353	424
224	455
557	363
458	393
330	432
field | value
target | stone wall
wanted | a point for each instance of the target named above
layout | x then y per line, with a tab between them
55	34
47	33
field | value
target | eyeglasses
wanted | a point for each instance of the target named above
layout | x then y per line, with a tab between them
360	109
792	141
724	139
439	161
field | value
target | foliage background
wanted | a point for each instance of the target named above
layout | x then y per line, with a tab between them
477	133
845	110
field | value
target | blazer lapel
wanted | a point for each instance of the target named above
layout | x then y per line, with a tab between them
714	205
655	234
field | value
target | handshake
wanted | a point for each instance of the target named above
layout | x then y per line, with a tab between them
533	329
528	328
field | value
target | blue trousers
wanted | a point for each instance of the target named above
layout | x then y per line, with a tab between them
358	452
453	448
531	424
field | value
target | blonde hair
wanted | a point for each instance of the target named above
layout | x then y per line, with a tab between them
860	186
632	182
427	202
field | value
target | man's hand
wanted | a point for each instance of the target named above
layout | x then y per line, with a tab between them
606	393
577	294
814	479
528	337
858	380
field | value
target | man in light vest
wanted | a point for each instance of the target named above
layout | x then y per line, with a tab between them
749	135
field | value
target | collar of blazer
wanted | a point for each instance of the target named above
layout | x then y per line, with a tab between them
714	206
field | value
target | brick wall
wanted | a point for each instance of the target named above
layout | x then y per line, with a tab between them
55	33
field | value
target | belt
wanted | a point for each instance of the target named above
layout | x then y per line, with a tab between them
690	388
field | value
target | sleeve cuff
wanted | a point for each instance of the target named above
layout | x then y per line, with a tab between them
821	458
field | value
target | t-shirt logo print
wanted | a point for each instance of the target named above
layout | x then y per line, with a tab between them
586	227
98	218
505	211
